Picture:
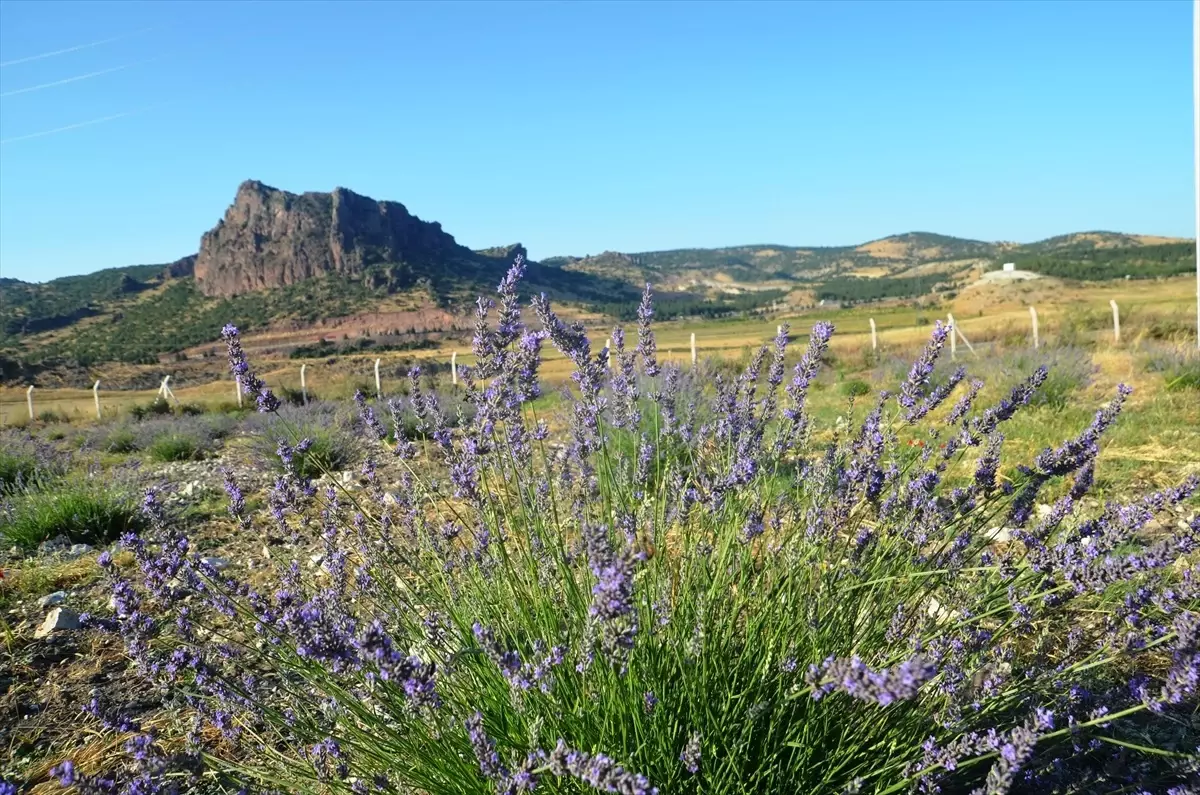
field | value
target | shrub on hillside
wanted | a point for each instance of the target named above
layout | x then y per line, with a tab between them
155	408
733	609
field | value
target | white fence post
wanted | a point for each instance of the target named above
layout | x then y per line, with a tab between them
1033	315
693	349
303	385
874	337
1116	320
956	334
237	389
29	400
608	353
165	391
96	396
454	368
953	338
378	385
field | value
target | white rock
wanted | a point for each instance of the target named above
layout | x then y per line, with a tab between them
346	477
938	612
998	535
52	599
77	550
317	559
1044	510
57	619
218	563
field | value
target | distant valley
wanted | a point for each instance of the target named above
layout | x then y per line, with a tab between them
305	268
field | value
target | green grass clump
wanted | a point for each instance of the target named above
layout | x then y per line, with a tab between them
855	387
85	510
16	465
176	447
121	439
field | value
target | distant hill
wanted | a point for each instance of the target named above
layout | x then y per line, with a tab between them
284	261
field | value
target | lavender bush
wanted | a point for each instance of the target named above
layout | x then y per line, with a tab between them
1178	365
728	601
25	458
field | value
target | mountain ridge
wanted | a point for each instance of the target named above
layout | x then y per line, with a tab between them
294	261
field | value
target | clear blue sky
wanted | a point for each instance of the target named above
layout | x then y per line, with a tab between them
576	127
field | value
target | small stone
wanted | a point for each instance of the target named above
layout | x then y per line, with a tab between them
57	619
217	563
346	477
52	545
52	599
316	560
998	535
78	550
1044	510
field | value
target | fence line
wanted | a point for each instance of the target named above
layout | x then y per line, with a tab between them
956	335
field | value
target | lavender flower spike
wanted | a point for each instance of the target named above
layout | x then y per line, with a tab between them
852	676
251	383
646	347
922	368
598	770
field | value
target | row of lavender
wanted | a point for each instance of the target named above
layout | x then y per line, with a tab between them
674	594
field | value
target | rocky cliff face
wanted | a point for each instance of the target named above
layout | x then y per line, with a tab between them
270	238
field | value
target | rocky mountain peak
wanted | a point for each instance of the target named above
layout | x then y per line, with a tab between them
271	238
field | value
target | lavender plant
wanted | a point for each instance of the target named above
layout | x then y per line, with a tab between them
730	600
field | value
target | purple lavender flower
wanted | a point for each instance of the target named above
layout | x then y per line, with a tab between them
852	676
646	347
1006	408
936	397
1073	454
922	368
964	403
240	368
485	749
612	596
237	502
988	464
367	415
598	771
797	390
690	755
1183	678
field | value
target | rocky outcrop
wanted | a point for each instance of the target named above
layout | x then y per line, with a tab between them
181	268
270	238
505	254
